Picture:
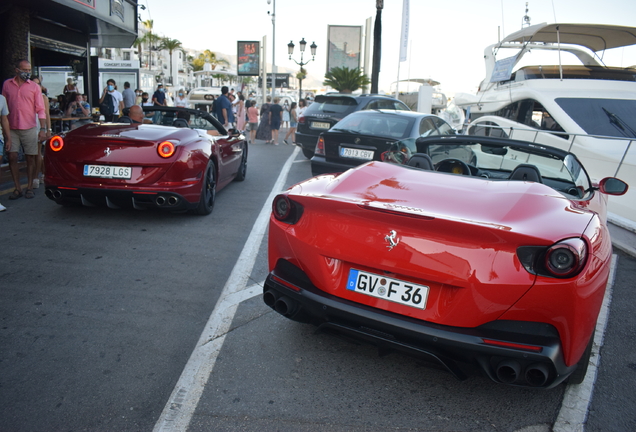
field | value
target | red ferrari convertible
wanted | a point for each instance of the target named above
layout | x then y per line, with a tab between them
176	160
465	249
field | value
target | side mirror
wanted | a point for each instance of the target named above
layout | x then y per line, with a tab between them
613	186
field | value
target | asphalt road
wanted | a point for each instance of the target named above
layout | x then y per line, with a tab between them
100	311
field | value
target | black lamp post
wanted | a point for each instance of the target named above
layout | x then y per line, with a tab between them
290	51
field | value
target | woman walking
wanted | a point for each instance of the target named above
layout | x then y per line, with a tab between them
240	113
285	115
293	122
264	131
252	116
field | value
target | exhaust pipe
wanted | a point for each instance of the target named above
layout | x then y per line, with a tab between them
173	200
537	374
269	298
285	306
508	371
57	194
160	200
48	193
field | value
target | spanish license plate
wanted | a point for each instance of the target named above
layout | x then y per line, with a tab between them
387	288
107	171
356	153
320	125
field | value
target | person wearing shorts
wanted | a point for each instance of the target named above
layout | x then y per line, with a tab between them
293	123
274	119
24	100
252	118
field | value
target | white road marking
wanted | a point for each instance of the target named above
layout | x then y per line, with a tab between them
577	398
184	399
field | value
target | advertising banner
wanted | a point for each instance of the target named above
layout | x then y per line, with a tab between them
345	43
248	58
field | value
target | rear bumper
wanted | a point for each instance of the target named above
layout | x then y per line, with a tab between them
307	141
289	292
114	198
320	165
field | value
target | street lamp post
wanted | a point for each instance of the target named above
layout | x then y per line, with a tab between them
273	47
290	51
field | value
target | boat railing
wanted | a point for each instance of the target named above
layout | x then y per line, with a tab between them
571	138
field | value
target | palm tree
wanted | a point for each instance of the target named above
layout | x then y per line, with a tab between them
207	56
150	38
171	45
139	44
345	80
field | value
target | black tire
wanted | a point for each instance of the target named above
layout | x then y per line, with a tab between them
578	375
242	171
208	191
308	153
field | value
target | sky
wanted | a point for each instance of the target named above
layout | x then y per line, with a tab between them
446	38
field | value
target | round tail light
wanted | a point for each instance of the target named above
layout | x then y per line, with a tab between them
56	143
566	258
165	149
281	207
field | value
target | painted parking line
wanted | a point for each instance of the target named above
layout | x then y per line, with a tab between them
577	398
184	399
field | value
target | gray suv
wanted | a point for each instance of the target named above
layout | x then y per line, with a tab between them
329	109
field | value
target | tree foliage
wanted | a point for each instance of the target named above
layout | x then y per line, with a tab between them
207	56
345	80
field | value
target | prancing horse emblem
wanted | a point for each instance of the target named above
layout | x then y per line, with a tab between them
107	151
392	239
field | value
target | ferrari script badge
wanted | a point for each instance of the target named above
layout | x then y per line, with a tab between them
107	151
392	239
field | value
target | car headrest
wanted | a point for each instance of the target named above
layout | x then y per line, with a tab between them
526	172
179	122
421	161
125	119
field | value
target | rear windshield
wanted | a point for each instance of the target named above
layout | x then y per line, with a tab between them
332	105
383	125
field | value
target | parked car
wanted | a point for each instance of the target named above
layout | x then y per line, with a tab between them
501	264
326	110
176	163
365	135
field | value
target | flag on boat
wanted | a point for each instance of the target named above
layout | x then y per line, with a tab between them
404	39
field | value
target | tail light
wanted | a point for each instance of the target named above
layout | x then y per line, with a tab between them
561	260
286	210
56	143
165	149
301	119
320	146
566	258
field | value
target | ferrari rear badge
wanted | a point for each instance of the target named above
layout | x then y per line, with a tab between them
107	151
392	239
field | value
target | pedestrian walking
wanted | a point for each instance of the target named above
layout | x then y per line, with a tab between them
293	123
24	101
39	166
5	133
286	108
302	106
240	112
275	115
264	131
112	102
252	118
223	108
128	95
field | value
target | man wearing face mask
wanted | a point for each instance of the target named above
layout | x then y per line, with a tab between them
159	98
119	100
24	100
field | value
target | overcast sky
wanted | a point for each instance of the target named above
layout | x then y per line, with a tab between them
447	38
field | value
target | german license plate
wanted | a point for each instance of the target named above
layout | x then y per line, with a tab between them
356	153
107	171
320	125
387	288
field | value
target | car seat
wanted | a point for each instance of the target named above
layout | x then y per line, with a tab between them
124	119
526	172
421	161
180	123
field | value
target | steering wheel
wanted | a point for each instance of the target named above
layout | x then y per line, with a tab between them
453	166
398	154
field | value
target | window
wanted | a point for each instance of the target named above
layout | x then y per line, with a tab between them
443	127
530	113
427	127
608	117
126	55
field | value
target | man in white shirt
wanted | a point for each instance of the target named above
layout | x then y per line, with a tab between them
118	100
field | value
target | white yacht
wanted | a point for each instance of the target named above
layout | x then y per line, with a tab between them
587	108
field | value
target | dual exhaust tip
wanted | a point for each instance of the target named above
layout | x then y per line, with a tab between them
53	193
283	305
509	371
171	200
